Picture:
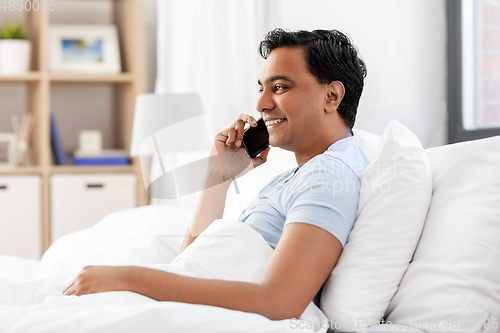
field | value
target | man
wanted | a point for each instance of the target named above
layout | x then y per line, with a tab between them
310	88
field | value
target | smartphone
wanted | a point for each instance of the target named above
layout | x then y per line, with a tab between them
256	139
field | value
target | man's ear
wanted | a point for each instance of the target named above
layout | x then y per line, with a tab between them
335	93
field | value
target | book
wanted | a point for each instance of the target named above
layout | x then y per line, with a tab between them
55	140
104	157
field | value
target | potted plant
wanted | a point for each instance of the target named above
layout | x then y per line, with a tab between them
15	50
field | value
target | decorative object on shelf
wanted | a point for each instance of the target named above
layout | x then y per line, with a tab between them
161	123
7	149
104	157
55	140
23	129
90	141
84	49
15	50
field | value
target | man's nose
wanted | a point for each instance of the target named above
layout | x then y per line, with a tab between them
265	102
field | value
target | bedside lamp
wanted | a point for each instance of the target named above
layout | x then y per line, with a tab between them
171	123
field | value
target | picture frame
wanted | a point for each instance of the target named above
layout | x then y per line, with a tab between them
84	49
8	149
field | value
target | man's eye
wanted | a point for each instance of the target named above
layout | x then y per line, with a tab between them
261	90
278	87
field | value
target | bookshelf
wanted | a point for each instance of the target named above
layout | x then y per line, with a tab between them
127	15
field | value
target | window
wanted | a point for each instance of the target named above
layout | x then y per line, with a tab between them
473	69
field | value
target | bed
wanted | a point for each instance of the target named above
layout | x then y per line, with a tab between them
31	290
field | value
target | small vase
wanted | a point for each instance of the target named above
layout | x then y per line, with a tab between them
15	56
23	154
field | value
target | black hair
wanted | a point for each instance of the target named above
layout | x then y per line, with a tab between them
330	56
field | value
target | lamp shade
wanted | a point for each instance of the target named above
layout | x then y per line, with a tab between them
164	126
176	120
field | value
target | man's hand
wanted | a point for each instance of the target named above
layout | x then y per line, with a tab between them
97	279
233	161
228	161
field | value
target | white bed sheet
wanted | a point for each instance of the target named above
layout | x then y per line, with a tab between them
18	268
31	297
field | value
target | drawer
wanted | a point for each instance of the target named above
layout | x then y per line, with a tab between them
78	201
21	216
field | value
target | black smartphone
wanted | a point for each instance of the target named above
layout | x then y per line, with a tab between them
256	139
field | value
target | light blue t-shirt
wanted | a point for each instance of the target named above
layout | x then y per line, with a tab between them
323	192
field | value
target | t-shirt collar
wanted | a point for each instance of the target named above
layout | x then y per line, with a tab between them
339	143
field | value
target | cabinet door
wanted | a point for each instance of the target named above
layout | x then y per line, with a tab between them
78	201
20	216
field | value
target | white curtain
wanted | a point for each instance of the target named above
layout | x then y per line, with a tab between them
210	47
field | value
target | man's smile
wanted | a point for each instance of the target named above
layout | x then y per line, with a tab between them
272	123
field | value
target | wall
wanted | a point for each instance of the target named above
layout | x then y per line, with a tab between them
13	95
403	43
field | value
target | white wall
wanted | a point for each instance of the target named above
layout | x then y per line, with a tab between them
13	95
403	43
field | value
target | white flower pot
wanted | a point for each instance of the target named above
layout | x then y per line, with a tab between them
15	56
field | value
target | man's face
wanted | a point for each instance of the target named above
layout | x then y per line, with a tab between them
291	95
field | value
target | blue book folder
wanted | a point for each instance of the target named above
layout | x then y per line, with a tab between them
105	157
101	161
55	140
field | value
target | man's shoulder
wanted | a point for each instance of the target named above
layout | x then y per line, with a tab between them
324	166
349	161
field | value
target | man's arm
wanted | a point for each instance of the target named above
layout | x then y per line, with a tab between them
210	206
301	263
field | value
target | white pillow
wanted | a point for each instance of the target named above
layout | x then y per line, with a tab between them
367	141
453	283
395	195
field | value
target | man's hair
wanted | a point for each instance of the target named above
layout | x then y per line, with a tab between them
330	56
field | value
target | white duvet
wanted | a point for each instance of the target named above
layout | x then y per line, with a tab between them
31	297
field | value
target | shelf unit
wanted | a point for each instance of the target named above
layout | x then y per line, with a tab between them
128	17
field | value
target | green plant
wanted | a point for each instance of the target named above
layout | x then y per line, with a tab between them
12	31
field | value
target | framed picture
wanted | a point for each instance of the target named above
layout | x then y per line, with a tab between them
7	149
84	48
